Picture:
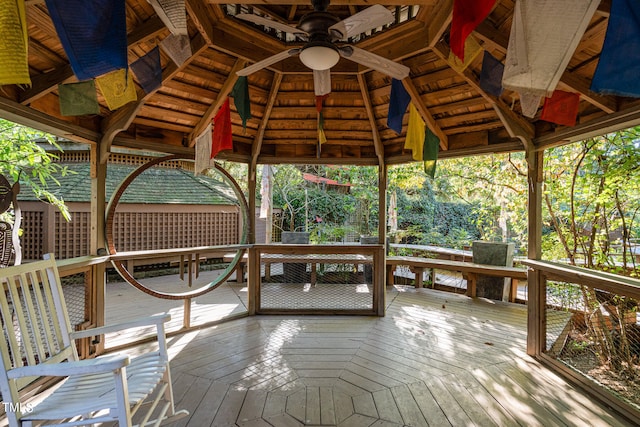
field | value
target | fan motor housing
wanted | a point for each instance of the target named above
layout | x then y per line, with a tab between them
317	24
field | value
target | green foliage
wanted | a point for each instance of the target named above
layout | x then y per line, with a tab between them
592	199
22	159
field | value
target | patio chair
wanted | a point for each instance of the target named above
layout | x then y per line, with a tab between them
38	343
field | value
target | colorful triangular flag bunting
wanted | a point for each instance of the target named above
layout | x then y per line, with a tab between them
398	102
203	151
430	152
93	34
544	35
618	68
322	138
471	51
467	15
415	134
178	48
14	67
241	100
148	70
78	99
222	136
561	108
118	88
491	75
173	15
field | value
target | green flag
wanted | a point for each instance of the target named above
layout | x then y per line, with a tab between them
240	95
77	99
430	152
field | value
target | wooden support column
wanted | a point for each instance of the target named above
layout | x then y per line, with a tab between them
536	283
382	204
379	265
97	243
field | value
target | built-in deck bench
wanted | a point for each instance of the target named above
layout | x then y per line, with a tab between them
470	270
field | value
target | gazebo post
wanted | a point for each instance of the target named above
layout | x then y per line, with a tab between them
97	243
536	283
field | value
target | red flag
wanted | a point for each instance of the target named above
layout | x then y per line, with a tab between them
222	137
467	15
319	101
561	108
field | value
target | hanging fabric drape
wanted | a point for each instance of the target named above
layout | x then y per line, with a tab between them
544	35
203	150
14	67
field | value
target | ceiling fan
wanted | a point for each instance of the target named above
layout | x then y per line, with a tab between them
321	30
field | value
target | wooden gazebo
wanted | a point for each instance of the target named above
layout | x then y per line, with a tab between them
283	128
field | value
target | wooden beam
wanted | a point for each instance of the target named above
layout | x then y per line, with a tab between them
426	115
122	119
377	142
201	18
43	84
517	126
606	124
213	108
271	100
18	113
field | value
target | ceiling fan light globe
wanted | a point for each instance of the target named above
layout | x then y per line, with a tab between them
319	57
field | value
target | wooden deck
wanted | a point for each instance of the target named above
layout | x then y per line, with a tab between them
436	359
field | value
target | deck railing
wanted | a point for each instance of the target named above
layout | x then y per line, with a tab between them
317	279
584	324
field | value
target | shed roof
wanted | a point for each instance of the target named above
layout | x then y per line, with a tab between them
156	185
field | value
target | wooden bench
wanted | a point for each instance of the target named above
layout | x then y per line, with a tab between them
469	269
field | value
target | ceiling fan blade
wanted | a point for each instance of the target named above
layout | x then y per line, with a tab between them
266	62
272	24
322	82
377	62
363	21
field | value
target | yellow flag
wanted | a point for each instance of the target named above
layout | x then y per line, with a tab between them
415	133
472	50
14	41
117	88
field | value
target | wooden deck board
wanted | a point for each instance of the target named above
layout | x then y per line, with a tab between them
435	359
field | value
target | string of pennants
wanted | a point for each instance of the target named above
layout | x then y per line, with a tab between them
93	35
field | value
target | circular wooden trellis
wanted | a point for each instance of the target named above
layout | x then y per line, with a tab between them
120	266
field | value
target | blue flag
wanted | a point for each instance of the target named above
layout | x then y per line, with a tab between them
398	104
148	70
618	69
491	75
93	34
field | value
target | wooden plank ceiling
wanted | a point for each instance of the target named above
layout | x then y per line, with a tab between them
283	127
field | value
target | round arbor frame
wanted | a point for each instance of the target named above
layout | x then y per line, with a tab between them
120	265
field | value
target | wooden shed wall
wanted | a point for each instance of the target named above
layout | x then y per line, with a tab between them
136	227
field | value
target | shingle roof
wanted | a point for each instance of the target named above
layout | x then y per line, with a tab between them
153	186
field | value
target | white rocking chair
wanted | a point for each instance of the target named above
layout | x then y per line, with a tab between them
38	342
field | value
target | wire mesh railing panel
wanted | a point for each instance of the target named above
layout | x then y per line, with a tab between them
317	282
597	333
74	288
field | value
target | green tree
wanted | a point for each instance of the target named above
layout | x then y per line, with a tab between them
23	160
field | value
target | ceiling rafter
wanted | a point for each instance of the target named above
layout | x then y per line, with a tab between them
271	100
377	142
502	110
201	19
123	117
424	112
213	108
